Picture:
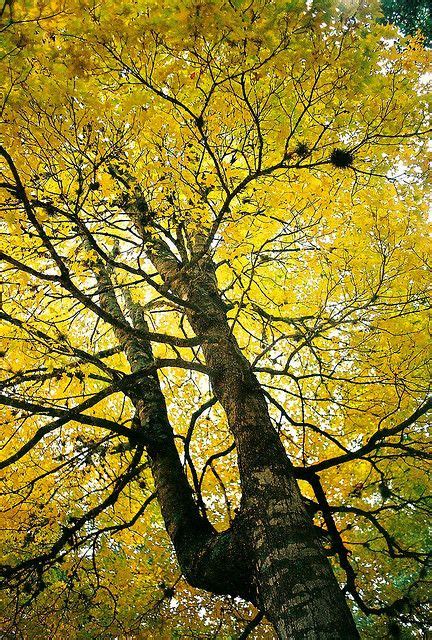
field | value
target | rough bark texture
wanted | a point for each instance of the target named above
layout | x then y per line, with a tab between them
213	561
271	555
296	585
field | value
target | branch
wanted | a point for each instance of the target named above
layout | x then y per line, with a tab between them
37	409
41	561
251	625
74	414
374	441
343	555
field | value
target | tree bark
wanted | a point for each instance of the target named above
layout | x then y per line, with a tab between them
296	586
209	560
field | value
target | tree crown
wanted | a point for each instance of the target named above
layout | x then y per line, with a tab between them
282	146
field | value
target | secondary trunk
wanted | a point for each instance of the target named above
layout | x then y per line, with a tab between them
209	560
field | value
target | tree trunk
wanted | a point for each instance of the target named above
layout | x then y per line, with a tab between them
209	560
295	582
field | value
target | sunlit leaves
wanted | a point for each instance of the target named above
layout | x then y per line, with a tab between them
208	125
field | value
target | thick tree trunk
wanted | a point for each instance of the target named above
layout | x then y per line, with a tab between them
295	582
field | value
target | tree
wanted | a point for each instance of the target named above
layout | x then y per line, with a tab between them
412	16
214	309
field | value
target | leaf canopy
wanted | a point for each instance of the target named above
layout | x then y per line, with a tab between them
289	141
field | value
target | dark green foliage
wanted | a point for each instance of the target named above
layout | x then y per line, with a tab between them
410	16
394	629
384	491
